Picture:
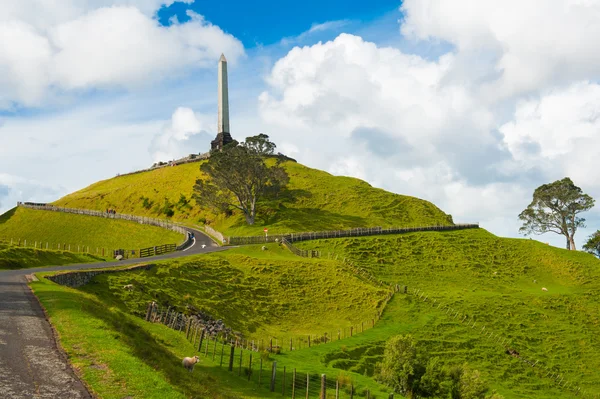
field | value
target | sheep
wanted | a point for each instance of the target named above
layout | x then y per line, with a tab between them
264	248
190	362
544	289
128	287
203	246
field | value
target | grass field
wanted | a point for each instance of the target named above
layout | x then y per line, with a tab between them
263	294
80	230
12	257
315	200
491	281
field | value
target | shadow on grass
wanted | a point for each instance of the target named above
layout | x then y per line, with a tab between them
5	217
151	349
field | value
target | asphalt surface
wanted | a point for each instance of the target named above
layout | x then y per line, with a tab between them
31	364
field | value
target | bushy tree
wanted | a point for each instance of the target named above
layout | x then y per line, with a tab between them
593	244
399	366
555	208
239	178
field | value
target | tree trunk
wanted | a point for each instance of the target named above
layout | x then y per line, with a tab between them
572	242
568	243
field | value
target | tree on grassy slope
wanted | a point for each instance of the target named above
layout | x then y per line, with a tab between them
593	244
555	208
400	366
239	178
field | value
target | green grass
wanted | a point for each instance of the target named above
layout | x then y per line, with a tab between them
315	200
120	355
12	257
55	228
262	294
491	280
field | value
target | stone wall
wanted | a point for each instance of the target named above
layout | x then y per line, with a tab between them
79	278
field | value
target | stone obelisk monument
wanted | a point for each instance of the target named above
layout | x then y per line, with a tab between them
223	134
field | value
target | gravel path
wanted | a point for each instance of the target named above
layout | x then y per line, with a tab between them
31	364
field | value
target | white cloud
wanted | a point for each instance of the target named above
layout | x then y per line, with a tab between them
525	45
411	126
185	134
110	47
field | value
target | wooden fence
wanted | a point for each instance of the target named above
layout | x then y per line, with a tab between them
306	253
165	224
256	361
356	232
157	250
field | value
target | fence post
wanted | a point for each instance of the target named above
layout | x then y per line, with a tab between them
273	375
222	352
351	391
307	384
260	371
283	383
323	387
240	369
337	388
294	384
231	358
200	343
250	366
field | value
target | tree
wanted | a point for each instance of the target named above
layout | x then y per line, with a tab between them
399	367
593	244
470	385
554	208
260	145
239	178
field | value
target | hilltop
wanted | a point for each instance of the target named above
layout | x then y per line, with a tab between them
315	200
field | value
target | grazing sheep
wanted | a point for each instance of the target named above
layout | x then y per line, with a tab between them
264	248
190	362
128	287
119	257
544	289
534	281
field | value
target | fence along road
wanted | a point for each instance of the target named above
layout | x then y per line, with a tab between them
31	365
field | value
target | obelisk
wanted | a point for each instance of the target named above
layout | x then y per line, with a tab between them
223	134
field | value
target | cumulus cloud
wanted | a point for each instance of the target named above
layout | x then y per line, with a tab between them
474	131
110	47
185	134
15	188
523	46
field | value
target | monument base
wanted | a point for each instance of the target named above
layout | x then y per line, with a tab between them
220	141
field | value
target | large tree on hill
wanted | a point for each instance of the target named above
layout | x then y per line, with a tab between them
593	244
239	178
400	366
555	208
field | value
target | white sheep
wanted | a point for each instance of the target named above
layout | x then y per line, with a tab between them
544	289
190	362
128	287
203	246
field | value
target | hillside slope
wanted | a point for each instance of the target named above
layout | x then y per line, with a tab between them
79	230
496	282
315	200
12	257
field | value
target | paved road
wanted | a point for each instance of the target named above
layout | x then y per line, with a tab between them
31	365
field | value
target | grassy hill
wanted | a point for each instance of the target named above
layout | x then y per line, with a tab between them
496	282
315	200
262	294
12	257
491	280
80	230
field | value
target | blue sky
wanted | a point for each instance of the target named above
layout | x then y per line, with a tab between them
265	22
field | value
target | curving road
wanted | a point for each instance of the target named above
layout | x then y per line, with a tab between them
31	364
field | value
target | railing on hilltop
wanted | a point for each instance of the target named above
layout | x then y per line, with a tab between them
197	158
165	224
356	232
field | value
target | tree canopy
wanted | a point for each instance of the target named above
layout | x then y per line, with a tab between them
239	178
593	244
555	208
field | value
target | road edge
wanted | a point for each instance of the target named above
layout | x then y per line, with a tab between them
59	348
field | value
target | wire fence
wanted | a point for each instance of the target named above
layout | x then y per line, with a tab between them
356	232
256	361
